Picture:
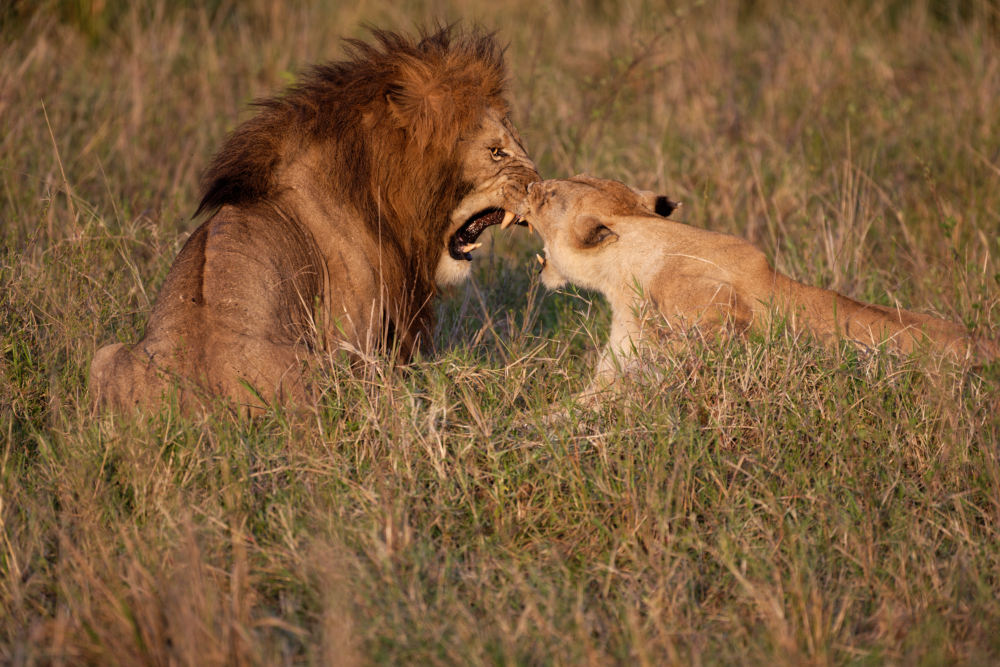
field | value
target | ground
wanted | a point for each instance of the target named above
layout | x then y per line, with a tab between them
764	500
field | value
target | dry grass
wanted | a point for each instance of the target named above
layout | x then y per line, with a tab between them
766	500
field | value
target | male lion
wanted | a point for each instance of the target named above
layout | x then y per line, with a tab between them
606	236
335	210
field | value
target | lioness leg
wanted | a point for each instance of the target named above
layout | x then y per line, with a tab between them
690	301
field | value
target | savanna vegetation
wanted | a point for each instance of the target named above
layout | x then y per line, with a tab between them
761	500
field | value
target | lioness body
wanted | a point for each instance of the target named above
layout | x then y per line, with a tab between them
336	211
605	236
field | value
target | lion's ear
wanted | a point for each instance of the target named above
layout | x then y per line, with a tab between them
593	232
423	105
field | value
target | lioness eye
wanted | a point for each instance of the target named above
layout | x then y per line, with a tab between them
498	153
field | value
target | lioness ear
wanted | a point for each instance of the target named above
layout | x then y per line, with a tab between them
658	204
422	104
592	232
664	206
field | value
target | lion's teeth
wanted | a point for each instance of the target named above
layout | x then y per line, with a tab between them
541	260
469	247
530	228
508	218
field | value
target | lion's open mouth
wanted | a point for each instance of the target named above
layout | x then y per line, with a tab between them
463	242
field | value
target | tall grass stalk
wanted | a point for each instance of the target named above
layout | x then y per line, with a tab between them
752	500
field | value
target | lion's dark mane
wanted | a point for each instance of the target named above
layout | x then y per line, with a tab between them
388	119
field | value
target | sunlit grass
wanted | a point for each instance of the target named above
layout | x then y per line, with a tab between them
746	500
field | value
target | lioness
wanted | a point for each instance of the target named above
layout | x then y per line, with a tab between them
335	211
606	236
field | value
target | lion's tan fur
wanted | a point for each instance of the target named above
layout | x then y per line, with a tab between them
330	214
605	236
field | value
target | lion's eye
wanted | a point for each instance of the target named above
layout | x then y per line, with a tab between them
498	153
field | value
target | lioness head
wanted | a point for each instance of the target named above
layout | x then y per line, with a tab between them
576	220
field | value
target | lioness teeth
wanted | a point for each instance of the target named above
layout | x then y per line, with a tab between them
541	260
508	218
469	247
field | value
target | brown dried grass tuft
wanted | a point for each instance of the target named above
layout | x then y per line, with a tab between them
749	501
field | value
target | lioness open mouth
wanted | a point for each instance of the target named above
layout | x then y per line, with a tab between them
465	239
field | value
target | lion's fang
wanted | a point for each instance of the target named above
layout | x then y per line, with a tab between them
508	218
469	247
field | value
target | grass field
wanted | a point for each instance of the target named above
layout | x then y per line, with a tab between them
766	501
